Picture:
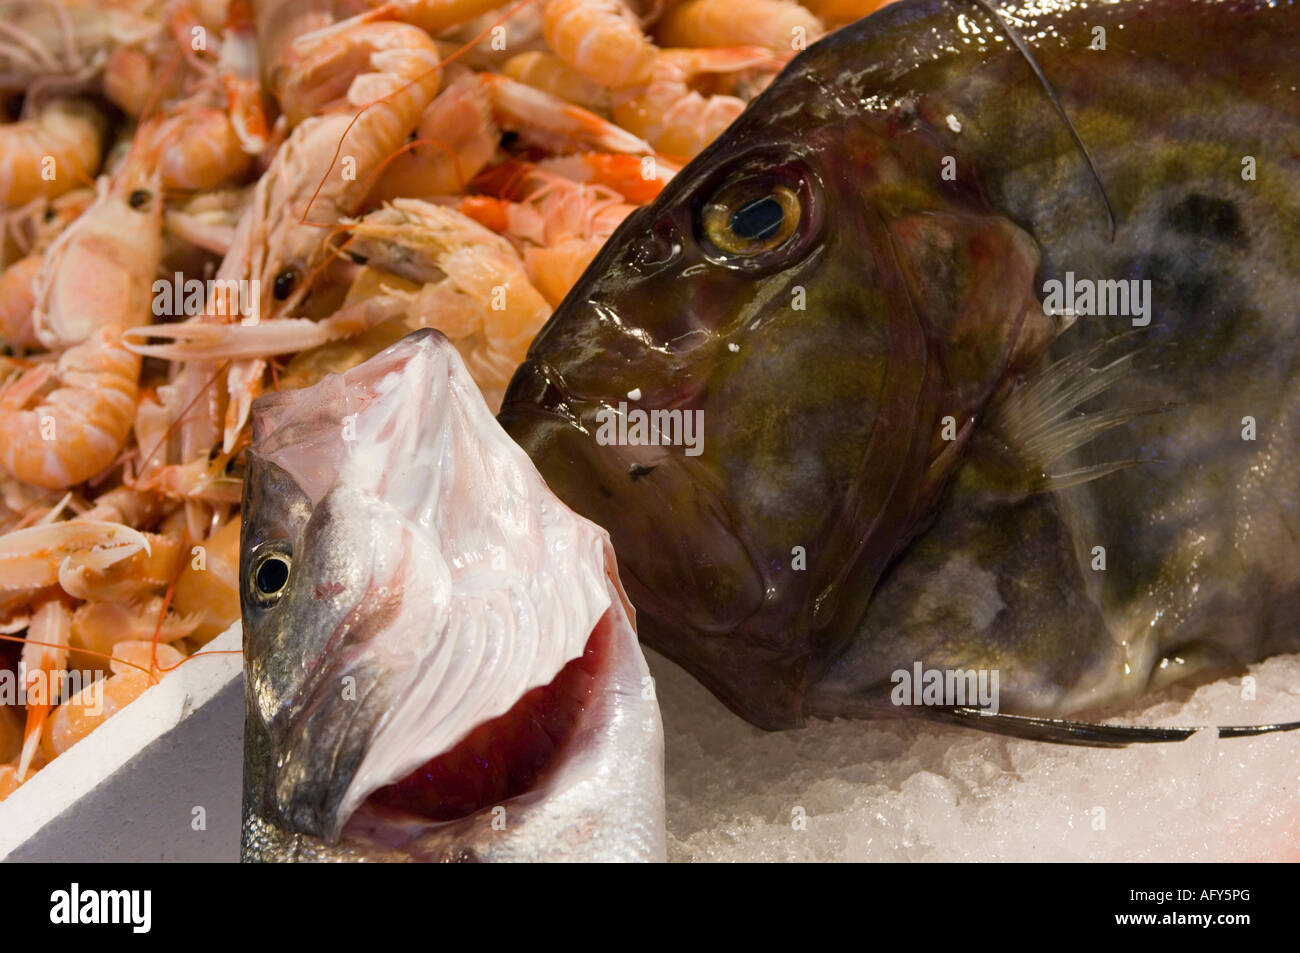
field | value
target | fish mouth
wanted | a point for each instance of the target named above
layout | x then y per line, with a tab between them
696	579
538	389
509	756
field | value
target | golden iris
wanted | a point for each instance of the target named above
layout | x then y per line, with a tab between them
747	221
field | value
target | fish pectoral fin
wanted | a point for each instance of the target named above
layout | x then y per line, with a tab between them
1037	423
1051	482
1092	734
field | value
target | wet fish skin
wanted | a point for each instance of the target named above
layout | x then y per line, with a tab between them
824	425
611	809
432	573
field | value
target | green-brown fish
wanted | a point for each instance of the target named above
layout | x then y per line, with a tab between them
985	328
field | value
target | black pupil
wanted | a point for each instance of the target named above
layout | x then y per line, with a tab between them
272	575
284	283
757	220
139	198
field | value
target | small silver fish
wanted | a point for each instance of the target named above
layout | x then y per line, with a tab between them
440	661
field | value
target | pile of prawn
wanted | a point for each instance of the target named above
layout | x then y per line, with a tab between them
204	199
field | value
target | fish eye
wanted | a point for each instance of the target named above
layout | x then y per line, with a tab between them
284	284
270	575
140	199
751	218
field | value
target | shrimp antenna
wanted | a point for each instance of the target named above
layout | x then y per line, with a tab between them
1088	733
1018	41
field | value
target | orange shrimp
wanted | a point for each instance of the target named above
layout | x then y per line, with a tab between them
131	79
30	558
677	119
17	301
512	104
279	23
632	177
31	228
549	73
474	285
460	131
326	70
601	39
100	271
206	341
205	151
559	224
135	665
552	124
100	624
77	428
239	69
319	174
208	586
434	16
780	25
44	656
65	42
456	137
843	11
543	207
164	65
82	575
124	505
52	151
322	170
215	133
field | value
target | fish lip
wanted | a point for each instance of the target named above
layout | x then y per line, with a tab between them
538	388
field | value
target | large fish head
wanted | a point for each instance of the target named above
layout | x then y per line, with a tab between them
440	661
815	294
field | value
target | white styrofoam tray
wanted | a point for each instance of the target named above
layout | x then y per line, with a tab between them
159	780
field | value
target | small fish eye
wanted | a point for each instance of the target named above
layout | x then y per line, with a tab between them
271	576
285	282
748	221
139	199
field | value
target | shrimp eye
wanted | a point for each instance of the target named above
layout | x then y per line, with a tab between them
270	576
750	219
285	282
139	199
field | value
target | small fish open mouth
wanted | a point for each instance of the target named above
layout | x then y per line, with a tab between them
510	755
441	662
